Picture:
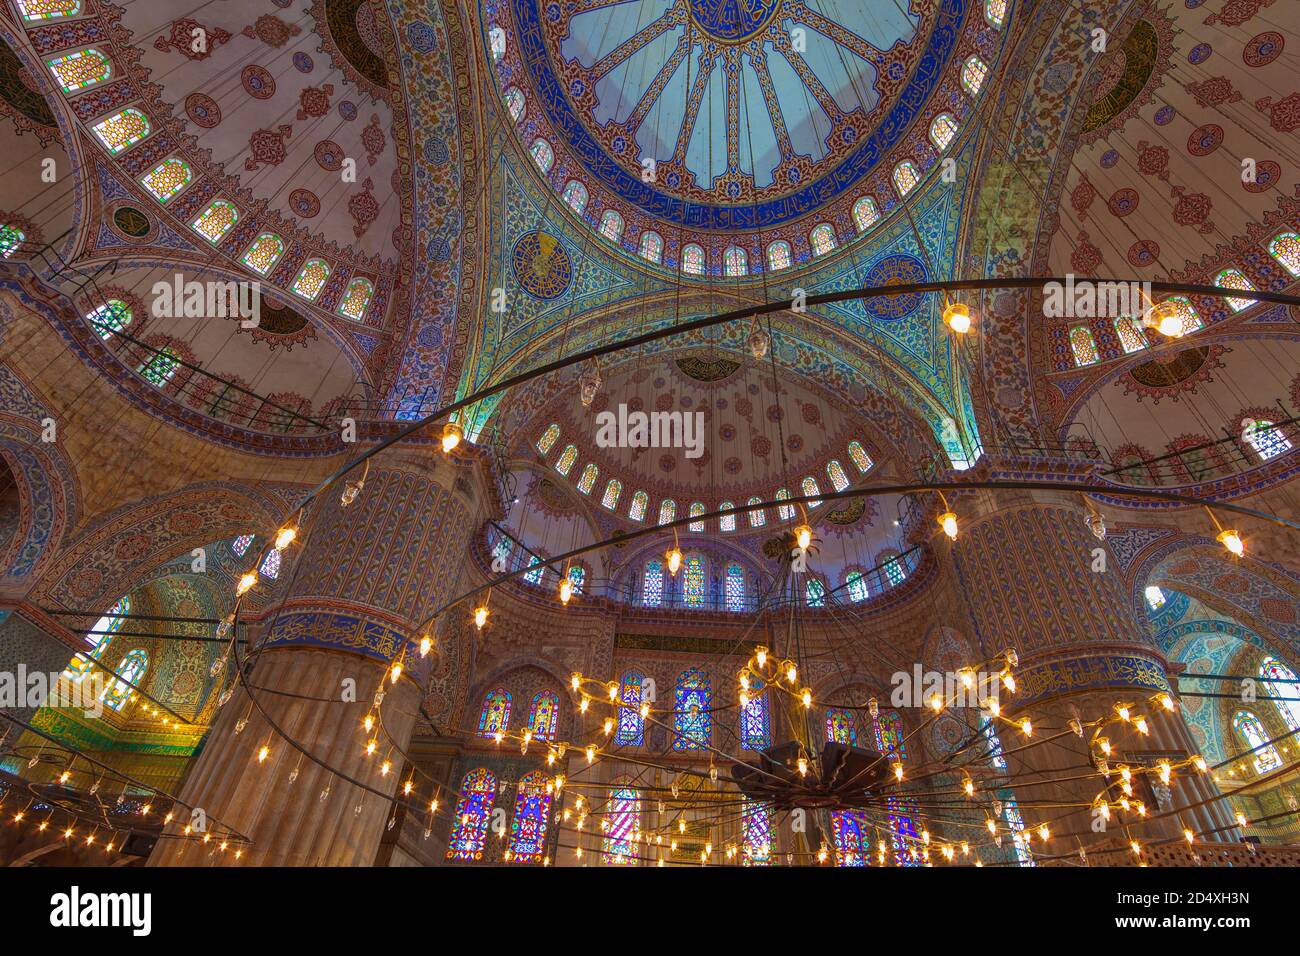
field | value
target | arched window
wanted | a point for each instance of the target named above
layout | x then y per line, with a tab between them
613	489
973	72
1235	279
575	196
693	260
494	715
502	550
263	253
577	577
652	247
98	637
865	213
778	256
888	728
113	316
815	593
756	834
861	460
543	155
842	727
515	103
755	733
240	544
1083	346
640	502
1130	334
549	438
667	510
1285	248
123	130
532	810
270	568
130	672
857	586
895	573
852	834
691	718
11	237
906	176
786	512
734	587
215	221
1247	725
1265	437
822	239
1016	824
356	299
1187	312
942	129
159	369
535	571
652	584
1280	682
996	756
478	789
835	472
809	486
567	457
1155	597
728	521
995	12
588	479
497	42
544	715
623	813
735	262
77	71
631	726
757	516
48	9
311	279
167	179
697	508
694	589
611	225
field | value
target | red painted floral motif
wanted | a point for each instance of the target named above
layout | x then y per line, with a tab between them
266	148
314	101
191	39
364	208
1237	12
1283	114
1215	91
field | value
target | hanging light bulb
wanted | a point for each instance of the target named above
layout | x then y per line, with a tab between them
1096	524
956	315
760	655
948	522
589	383
674	559
426	645
246	583
451	436
759	340
480	616
566	589
395	672
1232	541
284	537
1165	319
806	696
350	492
803	535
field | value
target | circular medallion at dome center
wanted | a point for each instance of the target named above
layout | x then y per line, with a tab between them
732	21
542	265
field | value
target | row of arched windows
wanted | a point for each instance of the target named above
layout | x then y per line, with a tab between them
691	587
1281	685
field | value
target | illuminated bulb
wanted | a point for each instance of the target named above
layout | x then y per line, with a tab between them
1104	744
744	699
1189	836
609	726
898	771
1125	774
591	754
575	680
803	767
645	710
1140	723
936	702
1123	712
993	827
1136	847
284	537
426	645
1164	318
1200	763
480	616
368	722
451	435
791	674
956	315
759	341
1104	810
803	535
1165	771
948	521
994	707
1166	702
1043	833
760	655
370	747
566	590
674	559
1232	541
263	754
1241	819
969	786
406	788
806	696
925	836
395	672
64	777
498	737
246	583
385	767
1009	682
1026	727
967	678
744	681
584	704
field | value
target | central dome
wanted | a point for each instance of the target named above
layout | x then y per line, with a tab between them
732	21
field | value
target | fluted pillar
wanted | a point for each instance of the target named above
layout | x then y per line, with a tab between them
365	579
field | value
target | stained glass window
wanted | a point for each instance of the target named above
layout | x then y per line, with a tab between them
842	727
861	460
167	179
1191	318
652	584
786	512
543	155
502	550
652	247
473	814
756	834
1084	346
263	253
1252	732
113	315
11	237
973	72
575	196
544	715
613	489
996	756
1130	335
528	828
357	299
889	735
822	239
623	814
122	130
494	715
497	42
240	545
906	177
130	670
270	568
577	577
76	71
815	593
852	836
809	487
1155	597
734	587
894	572
215	221
1235	279
857	586
728	521
640	502
755	733
1280	682
735	262
757	516
667	510
567	457
778	256
1263	436
535	571
161	367
694	591
697	508
691	718
311	279
587	481
865	213
693	260
1285	248
631	726
48	9
995	12
1016	824
903	831
515	103
942	129
835	471
98	637
548	438
611	225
